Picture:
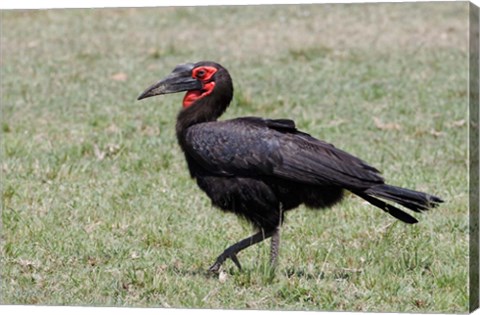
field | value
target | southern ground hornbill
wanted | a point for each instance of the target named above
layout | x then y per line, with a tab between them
260	168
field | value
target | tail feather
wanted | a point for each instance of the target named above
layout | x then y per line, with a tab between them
393	211
414	200
410	199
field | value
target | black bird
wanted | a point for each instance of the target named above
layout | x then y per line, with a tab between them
260	168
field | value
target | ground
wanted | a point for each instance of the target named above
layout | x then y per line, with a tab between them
97	204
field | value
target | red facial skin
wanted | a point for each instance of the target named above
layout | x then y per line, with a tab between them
203	74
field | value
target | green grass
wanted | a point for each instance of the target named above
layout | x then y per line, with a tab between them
97	204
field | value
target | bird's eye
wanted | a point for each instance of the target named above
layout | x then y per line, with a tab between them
204	73
200	73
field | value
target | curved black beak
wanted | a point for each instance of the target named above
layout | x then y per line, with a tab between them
178	81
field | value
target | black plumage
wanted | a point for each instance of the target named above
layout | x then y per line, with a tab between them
261	168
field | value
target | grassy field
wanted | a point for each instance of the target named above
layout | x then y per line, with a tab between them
97	204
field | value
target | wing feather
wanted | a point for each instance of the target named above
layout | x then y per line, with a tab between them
254	146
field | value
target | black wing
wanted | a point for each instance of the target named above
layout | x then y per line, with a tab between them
253	146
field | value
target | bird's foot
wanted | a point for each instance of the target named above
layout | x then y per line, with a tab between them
215	268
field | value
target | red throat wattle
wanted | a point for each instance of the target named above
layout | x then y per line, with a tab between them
192	96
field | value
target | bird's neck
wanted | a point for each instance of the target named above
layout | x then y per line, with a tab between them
203	110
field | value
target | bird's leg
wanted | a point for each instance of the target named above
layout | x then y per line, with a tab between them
231	252
274	246
234	258
275	243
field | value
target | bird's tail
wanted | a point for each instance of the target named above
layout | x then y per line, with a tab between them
414	200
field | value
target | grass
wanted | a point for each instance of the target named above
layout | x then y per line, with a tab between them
97	204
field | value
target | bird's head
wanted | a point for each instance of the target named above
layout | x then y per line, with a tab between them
202	80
